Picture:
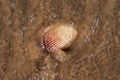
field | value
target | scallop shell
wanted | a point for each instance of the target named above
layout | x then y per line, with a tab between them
58	36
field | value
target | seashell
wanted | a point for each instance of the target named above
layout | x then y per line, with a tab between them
57	37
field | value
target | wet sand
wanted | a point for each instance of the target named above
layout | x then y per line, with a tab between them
95	54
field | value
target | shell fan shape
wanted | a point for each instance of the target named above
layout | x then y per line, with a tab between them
58	36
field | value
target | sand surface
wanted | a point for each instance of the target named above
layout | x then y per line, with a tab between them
95	54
